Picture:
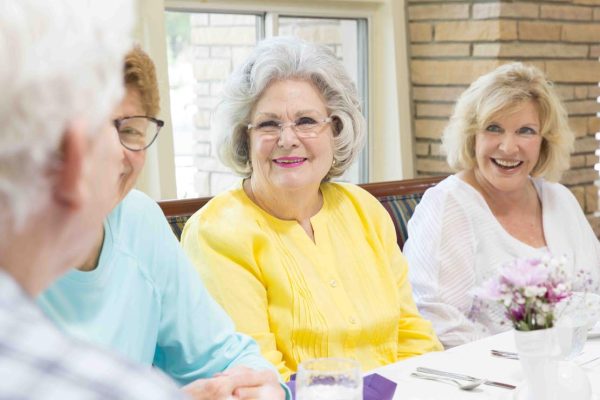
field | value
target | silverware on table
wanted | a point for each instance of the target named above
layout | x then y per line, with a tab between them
505	354
465	377
468	385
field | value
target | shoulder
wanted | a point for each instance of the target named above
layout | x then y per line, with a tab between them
445	194
224	207
355	207
138	223
557	198
228	215
450	185
135	210
141	234
137	202
553	189
348	194
448	206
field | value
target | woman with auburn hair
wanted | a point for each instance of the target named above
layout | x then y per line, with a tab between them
138	294
509	141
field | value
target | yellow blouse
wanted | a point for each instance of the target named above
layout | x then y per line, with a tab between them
344	295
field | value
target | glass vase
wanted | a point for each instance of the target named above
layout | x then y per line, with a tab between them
547	377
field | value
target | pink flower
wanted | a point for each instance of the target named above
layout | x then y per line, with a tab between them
491	289
522	273
528	289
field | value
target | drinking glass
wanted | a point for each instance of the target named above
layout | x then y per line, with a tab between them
576	315
329	379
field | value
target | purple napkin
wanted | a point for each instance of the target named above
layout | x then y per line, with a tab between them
375	387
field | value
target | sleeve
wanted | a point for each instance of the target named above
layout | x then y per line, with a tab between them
593	246
224	254
415	334
577	238
196	337
441	254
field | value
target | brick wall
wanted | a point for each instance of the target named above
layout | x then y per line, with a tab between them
454	42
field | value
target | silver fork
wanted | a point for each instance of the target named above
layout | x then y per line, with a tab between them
454	375
470	385
505	354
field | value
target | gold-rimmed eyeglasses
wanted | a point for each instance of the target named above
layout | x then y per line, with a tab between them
303	127
138	132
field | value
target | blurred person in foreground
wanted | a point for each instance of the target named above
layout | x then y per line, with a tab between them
138	294
509	140
59	169
308	267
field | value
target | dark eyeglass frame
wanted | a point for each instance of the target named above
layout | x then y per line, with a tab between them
119	121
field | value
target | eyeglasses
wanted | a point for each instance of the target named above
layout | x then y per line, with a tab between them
138	132
303	127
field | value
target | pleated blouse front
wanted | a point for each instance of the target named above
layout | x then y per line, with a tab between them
346	294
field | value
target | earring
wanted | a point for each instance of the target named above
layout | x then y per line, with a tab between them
333	163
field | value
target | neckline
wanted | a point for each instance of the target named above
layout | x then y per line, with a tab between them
293	226
481	199
78	276
271	217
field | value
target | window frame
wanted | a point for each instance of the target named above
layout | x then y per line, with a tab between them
391	141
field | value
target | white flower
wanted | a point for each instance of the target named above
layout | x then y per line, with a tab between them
546	259
534	291
545	307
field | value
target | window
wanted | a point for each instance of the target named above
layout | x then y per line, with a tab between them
204	47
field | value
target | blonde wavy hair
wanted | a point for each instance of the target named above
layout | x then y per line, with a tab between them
501	91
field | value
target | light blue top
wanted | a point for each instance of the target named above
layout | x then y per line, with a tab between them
146	301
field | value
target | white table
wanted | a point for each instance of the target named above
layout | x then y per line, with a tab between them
476	360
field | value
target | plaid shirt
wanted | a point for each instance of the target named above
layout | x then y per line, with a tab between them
39	362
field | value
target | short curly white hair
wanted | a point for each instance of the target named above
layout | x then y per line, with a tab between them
282	58
501	91
61	60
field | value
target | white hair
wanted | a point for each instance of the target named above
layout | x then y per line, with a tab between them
62	60
282	58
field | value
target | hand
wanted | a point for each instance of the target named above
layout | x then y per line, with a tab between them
239	383
255	385
217	388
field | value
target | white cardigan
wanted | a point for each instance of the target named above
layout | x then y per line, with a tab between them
455	243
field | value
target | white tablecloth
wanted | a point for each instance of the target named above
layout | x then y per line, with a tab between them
476	360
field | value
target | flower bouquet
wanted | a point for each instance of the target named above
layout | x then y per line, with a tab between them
529	290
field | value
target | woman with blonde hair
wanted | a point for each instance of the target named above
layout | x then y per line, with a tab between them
509	140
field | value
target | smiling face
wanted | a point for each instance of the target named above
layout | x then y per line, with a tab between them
508	148
133	161
287	161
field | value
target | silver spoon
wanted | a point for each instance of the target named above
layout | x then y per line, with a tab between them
461	385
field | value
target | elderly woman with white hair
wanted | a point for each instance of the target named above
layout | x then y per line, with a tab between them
509	141
308	267
59	170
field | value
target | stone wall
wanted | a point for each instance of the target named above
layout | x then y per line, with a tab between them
454	42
